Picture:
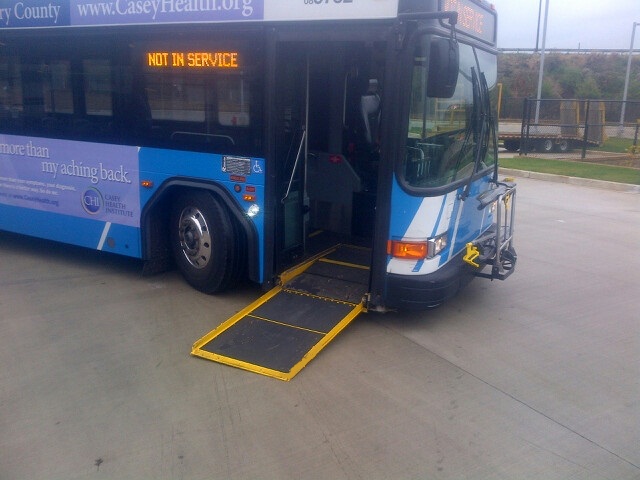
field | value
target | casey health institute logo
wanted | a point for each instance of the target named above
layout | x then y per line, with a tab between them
92	201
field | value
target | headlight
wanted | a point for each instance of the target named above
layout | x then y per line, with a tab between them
253	210
436	245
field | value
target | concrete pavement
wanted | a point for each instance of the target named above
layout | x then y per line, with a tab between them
535	377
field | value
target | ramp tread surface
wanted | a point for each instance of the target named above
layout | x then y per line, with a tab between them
268	344
341	272
351	254
303	311
285	329
327	287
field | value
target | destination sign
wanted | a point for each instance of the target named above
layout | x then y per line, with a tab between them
199	60
473	19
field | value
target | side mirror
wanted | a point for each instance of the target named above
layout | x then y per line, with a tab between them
444	60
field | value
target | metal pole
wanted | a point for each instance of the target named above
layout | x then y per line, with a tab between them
538	31
586	130
526	123
626	80
544	40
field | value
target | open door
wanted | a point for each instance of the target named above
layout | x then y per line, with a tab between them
291	148
326	118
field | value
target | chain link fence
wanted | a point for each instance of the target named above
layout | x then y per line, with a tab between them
573	128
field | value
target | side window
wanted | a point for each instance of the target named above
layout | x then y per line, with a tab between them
441	138
487	63
57	89
11	108
234	102
57	97
176	96
202	97
32	92
444	134
98	94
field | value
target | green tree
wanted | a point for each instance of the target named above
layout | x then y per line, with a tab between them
570	80
550	89
588	88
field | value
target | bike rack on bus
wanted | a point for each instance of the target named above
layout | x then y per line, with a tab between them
495	247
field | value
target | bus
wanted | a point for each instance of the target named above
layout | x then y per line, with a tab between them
238	139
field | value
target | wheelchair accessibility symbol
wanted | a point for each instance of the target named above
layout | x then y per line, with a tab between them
256	167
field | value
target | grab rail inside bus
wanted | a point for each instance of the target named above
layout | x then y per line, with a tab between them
222	141
295	165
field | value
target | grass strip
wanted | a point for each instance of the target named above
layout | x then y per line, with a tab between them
615	144
574	169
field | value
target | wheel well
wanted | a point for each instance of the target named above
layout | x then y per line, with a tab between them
156	245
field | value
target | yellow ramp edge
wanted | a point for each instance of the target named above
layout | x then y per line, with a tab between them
282	331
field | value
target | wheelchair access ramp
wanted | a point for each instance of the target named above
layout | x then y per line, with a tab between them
282	331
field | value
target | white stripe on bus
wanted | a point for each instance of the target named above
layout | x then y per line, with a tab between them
103	237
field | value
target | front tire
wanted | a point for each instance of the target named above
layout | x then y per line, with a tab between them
204	242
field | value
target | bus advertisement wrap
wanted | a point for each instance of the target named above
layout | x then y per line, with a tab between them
75	13
120	12
86	180
61	13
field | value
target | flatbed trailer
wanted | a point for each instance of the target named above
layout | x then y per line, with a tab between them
563	125
547	143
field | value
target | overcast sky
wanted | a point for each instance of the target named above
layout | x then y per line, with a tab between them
572	23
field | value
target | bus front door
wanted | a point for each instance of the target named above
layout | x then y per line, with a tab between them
291	149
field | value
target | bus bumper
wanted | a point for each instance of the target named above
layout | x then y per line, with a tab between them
420	292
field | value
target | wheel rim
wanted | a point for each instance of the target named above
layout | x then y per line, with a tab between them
195	239
547	145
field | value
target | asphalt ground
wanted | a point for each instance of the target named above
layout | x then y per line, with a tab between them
537	377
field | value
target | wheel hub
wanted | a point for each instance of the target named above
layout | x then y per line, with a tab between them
195	239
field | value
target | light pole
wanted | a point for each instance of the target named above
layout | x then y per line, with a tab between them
626	80
538	32
541	72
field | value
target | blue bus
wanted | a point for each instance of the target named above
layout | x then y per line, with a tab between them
241	138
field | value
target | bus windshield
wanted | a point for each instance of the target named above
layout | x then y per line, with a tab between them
450	139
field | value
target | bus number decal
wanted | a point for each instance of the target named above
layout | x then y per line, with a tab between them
319	2
330	9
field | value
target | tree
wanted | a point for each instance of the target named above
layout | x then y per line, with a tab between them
569	76
569	80
588	88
